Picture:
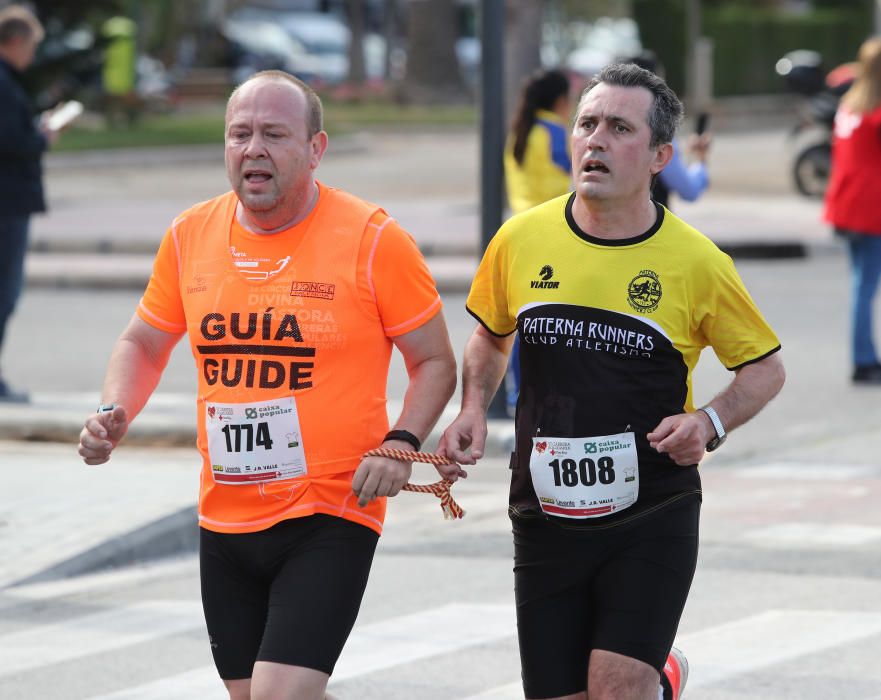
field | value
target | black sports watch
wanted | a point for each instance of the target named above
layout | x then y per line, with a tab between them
717	426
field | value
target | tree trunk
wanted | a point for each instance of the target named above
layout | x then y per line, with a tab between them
357	70
432	67
522	47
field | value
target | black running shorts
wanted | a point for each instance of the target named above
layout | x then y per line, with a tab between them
620	589
289	594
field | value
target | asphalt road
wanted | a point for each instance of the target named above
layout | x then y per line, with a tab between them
784	605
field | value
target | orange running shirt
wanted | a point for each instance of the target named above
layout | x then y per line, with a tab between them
291	333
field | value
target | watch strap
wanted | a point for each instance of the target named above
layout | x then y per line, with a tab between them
404	436
715	420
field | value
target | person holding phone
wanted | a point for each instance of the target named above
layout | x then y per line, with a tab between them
23	140
688	179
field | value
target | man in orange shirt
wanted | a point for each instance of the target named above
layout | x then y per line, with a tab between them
292	295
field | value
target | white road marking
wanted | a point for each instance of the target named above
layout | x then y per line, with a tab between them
811	536
797	471
371	648
750	644
510	691
44	645
770	638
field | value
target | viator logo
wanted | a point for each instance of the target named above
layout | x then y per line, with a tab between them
545	282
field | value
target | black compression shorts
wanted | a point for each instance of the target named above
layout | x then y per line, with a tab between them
620	589
289	594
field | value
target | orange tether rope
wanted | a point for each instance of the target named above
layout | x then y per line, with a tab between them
441	489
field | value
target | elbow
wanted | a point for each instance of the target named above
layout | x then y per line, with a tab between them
450	377
781	377
777	376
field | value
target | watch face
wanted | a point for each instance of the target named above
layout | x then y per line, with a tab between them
714	443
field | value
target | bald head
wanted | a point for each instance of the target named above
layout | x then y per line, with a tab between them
313	112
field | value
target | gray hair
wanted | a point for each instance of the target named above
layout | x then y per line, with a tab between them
315	112
17	22
666	111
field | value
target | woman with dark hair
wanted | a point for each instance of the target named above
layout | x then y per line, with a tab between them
538	166
537	162
852	203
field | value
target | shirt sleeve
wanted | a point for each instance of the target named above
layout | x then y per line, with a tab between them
488	299
688	181
729	319
397	277
162	306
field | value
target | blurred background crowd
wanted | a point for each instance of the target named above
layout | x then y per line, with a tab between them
130	60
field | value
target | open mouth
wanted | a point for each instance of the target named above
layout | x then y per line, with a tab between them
595	166
257	176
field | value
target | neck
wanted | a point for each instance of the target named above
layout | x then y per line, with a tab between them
8	60
612	221
272	221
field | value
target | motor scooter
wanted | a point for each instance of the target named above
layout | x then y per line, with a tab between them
803	74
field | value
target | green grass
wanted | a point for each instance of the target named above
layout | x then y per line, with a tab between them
177	129
152	130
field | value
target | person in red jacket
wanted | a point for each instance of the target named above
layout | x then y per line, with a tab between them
852	203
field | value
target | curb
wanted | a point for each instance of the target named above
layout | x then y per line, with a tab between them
169	420
173	534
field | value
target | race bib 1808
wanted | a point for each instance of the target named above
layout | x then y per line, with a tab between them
585	477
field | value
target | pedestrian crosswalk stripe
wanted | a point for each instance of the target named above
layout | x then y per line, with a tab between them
370	648
43	645
770	638
811	536
803	471
740	647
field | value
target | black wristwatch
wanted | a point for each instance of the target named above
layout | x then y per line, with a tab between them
403	436
717	426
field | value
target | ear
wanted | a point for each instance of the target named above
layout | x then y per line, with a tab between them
319	146
663	154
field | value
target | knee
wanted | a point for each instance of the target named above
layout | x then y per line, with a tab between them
622	688
239	689
618	678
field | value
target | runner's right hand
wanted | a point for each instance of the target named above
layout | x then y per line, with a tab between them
468	430
101	433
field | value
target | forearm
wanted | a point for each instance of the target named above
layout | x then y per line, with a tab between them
483	367
753	387
132	375
431	385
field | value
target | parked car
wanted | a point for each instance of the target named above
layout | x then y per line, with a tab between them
324	37
260	45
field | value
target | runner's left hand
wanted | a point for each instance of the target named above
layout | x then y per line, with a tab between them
683	437
381	476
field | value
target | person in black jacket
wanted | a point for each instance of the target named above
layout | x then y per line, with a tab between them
22	143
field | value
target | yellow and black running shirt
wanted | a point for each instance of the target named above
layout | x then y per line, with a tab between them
610	332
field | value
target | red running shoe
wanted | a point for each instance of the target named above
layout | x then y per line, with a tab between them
676	670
